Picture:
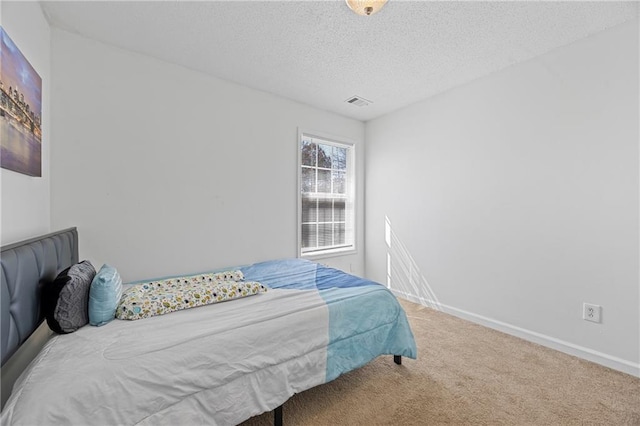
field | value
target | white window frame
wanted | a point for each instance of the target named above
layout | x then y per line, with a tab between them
350	190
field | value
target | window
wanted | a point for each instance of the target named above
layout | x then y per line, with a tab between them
327	196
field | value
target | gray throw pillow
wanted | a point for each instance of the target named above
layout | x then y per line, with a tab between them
66	299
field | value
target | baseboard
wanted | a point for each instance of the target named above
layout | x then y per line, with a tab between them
532	336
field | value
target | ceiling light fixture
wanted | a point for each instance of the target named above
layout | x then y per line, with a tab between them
365	7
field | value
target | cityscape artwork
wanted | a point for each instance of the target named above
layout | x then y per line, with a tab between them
20	111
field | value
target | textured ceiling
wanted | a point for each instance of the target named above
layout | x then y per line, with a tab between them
320	53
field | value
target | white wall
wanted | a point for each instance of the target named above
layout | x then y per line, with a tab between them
165	170
25	202
514	199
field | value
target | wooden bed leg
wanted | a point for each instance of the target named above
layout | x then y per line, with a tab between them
277	416
397	359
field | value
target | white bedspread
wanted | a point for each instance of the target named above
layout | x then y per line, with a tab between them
217	364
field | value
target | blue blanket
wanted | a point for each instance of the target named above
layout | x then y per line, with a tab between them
365	319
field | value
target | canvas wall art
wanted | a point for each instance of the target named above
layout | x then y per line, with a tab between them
20	111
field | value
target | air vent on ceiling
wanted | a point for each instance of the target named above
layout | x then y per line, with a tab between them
358	101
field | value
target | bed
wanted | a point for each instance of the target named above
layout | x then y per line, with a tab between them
218	364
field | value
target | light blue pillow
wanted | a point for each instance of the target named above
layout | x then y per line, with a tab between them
104	295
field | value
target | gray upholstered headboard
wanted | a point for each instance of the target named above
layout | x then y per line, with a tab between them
26	266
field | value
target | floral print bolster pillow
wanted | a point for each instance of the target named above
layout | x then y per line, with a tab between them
161	297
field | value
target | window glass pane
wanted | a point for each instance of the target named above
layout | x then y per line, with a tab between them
325	235
308	180
339	182
309	236
309	150
326	200
339	233
339	158
338	210
309	210
324	181
324	211
324	155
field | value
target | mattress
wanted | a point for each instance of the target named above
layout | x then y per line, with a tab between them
218	364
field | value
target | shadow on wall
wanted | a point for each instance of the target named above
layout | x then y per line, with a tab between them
404	278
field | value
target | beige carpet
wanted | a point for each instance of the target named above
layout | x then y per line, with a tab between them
467	374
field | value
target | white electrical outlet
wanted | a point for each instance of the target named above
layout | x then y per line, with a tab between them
591	312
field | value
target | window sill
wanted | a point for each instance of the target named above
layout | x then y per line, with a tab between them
329	253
